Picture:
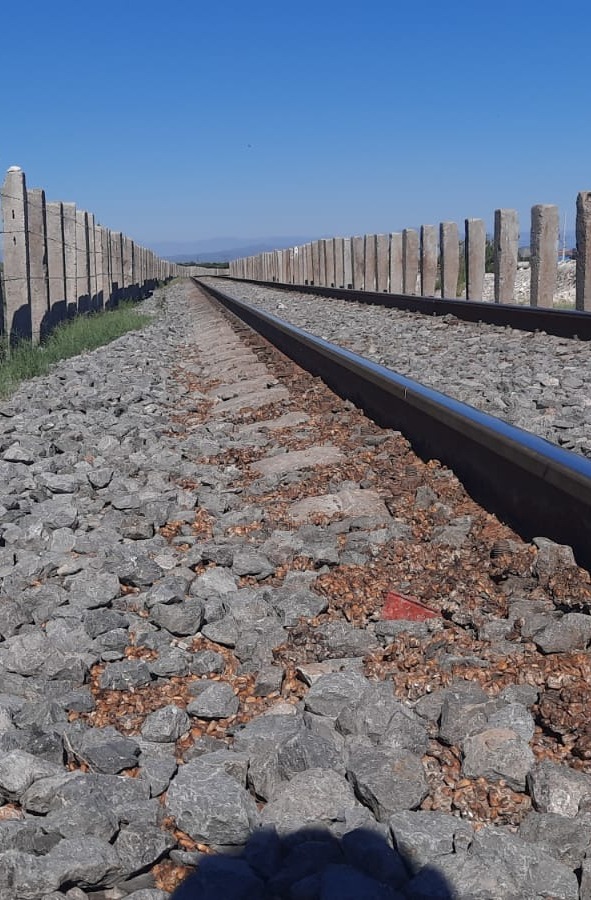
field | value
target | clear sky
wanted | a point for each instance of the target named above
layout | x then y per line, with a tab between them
181	120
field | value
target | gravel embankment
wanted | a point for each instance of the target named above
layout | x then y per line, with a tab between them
196	640
538	382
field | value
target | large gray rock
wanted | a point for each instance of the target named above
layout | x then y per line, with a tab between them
166	724
386	781
423	836
571	632
179	618
464	711
125	675
568	840
217	701
555	788
19	770
535	872
384	720
331	693
498	753
141	846
212	808
313	797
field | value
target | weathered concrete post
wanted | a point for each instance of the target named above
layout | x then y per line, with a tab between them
92	261
347	263
330	262
410	260
70	256
82	269
126	246
358	252
106	267
339	276
545	225
583	231
37	237
396	262
116	268
370	268
315	263
475	257
450	258
322	261
17	298
56	262
506	246
428	260
382	261
309	266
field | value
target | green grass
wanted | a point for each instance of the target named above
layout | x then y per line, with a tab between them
85	332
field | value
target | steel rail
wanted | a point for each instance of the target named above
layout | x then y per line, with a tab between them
536	487
565	323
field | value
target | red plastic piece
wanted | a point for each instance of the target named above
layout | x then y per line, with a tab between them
399	606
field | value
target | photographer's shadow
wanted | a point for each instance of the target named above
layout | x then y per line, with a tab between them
312	864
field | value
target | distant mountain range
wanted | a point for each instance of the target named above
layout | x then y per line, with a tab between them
223	249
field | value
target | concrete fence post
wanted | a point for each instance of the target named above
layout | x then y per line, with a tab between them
382	262
92	279
56	261
127	265
410	260
396	263
322	262
17	297
70	257
475	257
583	232
82	269
449	243
309	264
370	268
506	245
358	262
339	271
116	268
315	263
347	263
330	263
428	260
106	266
37	237
543	254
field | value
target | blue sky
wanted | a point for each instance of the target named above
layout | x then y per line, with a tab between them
178	121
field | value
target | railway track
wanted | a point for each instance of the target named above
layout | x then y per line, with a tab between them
537	487
560	322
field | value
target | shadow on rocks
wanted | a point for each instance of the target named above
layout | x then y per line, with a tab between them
312	864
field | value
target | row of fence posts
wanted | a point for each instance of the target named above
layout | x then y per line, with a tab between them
428	259
58	262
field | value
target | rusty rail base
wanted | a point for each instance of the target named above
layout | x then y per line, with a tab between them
536	487
567	323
